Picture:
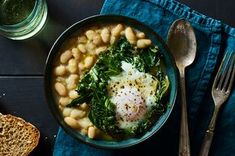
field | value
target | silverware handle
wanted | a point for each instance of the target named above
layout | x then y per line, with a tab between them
184	144
206	143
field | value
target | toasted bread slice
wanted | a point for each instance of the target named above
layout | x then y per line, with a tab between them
17	137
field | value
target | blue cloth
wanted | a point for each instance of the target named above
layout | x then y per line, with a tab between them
213	38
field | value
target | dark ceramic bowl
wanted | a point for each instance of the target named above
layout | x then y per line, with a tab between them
170	71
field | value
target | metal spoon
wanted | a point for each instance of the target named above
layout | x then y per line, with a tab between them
182	43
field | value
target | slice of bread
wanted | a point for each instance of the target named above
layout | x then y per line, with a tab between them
17	137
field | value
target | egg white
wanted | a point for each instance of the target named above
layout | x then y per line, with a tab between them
133	93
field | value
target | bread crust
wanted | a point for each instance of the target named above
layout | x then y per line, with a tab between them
17	137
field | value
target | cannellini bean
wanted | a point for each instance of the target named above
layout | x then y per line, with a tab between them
90	34
130	35
61	108
60	79
71	122
67	111
64	101
90	47
84	122
76	113
143	43
72	66
82	48
65	56
76	54
105	35
60	89
60	70
140	35
100	49
81	66
113	39
72	81
91	132
84	131
73	94
97	40
88	61
117	30
84	106
82	39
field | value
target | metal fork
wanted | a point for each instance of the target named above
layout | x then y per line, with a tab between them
220	92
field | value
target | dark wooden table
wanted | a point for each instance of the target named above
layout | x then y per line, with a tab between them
22	62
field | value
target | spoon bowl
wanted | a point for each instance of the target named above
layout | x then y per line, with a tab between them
182	41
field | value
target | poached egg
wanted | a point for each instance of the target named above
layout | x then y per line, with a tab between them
133	94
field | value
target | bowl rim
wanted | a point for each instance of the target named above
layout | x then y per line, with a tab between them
68	32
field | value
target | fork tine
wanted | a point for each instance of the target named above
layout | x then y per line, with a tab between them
228	71
219	73
232	76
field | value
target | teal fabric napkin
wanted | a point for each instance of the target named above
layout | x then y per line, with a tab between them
214	39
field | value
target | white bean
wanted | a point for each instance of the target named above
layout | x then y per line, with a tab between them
60	89
60	70
100	49
105	35
60	79
76	113
140	35
82	39
64	101
91	132
117	30
72	66
143	43
97	40
90	47
84	122
67	112
81	66
76	54
72	81
65	56
84	106
73	94
113	39
90	34
71	122
61	108
130	35
88	61
82	48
